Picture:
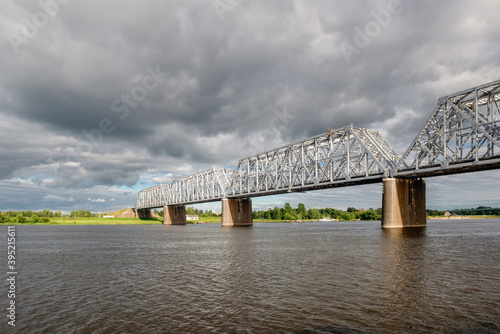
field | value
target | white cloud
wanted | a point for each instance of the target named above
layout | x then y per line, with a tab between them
55	198
96	200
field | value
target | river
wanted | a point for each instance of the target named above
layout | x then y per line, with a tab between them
324	277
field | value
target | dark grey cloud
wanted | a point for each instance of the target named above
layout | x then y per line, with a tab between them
82	107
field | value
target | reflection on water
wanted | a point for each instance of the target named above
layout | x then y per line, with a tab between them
404	254
270	278
398	234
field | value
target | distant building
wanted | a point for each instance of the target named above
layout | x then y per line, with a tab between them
328	219
191	217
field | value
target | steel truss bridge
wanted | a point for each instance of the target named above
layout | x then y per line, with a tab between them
462	134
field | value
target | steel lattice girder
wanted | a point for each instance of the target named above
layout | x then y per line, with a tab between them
462	134
343	157
201	187
152	197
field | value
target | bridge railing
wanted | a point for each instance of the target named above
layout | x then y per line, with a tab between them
345	156
461	134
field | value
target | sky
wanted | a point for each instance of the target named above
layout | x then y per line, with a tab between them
99	99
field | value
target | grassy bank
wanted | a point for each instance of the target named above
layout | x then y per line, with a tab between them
96	221
216	219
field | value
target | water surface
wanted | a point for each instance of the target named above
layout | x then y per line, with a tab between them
270	278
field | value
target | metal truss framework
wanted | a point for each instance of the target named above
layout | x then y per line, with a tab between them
343	157
152	197
346	156
201	187
461	135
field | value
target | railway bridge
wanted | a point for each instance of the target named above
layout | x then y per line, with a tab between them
461	135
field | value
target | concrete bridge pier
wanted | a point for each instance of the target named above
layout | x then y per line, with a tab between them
403	203
237	212
174	215
142	213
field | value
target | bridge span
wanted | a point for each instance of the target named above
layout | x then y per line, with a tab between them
461	135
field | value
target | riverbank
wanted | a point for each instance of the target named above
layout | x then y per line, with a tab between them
96	221
139	221
205	220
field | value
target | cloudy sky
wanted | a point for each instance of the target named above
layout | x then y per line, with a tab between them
99	99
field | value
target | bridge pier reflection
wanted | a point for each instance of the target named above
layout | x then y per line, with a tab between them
403	203
237	212
174	215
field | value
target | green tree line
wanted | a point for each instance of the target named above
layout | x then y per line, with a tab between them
192	211
301	212
20	219
43	213
480	210
28	216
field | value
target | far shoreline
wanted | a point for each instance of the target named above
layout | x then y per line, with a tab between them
158	221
